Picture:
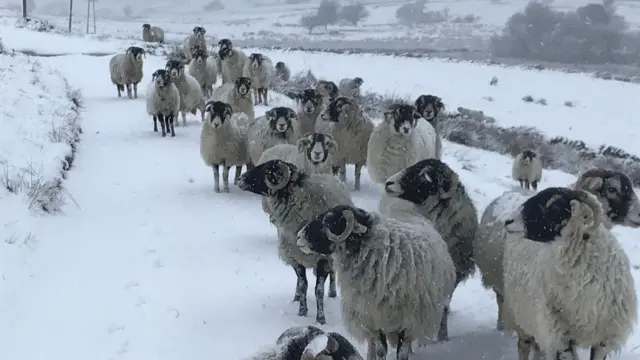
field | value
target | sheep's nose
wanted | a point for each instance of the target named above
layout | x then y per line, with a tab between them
388	185
509	222
317	153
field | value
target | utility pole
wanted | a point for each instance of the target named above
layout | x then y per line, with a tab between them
91	6
24	9
70	14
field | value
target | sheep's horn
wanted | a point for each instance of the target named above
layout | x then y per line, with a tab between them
595	206
452	189
350	220
286	176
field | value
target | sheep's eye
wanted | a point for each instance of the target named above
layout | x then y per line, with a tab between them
612	190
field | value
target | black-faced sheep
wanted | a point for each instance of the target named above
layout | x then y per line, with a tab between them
195	40
527	169
282	71
232	60
259	68
350	87
163	102
275	127
126	70
430	107
238	95
205	70
328	89
310	106
191	97
312	153
152	33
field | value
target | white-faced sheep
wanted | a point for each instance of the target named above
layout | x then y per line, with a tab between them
259	68
401	140
568	282
126	70
374	253
310	107
328	89
191	98
163	102
295	198
613	189
204	69
351	129
152	33
195	40
431	188
232	60
527	169
282	72
275	127
430	107
238	95
350	87
223	143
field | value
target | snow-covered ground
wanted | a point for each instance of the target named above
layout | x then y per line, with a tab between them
152	264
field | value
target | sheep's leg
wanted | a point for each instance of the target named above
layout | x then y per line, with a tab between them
236	177
537	354
119	88
343	173
301	289
335	170
163	121
135	90
184	119
534	185
598	352
250	166
404	345
321	271
332	284
170	121
499	301
129	91
264	96
566	353
155	124
256	96
526	184
521	183
357	174
225	178
443	331
216	177
377	347
524	347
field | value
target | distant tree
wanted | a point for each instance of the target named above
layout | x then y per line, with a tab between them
128	11
328	12
595	14
354	13
311	21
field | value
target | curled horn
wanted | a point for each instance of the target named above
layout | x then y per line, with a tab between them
332	344
154	75
352	227
596	207
452	189
285	178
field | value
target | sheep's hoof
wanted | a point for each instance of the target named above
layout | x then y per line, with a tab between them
333	294
164	134
321	320
303	311
225	190
216	189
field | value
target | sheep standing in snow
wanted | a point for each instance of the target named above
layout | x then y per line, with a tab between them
295	198
152	33
312	154
431	188
401	140
259	68
328	89
282	72
430	106
373	254
163	102
351	130
238	95
350	87
126	70
613	189
309	109
204	69
222	142
527	169
568	282
232	60
191	98
195	40
275	127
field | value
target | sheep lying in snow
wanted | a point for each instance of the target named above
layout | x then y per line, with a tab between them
351	130
433	190
191	98
204	69
430	106
163	102
613	189
222	142
527	169
328	89
350	87
275	127
152	33
259	68
309	109
238	95
570	283
296	198
195	40
126	70
373	254
401	140
233	61
282	72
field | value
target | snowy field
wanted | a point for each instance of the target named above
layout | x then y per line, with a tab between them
149	263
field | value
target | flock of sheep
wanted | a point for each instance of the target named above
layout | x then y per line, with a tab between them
560	277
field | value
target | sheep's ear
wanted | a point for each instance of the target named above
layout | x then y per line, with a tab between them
592	184
331	142
228	109
292	114
270	115
332	344
195	30
154	75
304	142
129	50
440	104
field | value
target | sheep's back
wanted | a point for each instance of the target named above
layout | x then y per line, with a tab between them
115	66
285	152
353	141
158	33
260	138
426	142
221	93
388	153
190	93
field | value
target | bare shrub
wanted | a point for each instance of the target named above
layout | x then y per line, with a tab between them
310	22
528	98
3	49
568	103
214	5
353	13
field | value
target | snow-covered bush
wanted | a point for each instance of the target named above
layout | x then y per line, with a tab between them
128	11
3	49
353	13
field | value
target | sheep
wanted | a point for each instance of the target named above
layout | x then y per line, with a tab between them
152	33
350	87
233	61
196	39
309	109
568	282
275	127
401	140
312	153
328	89
205	70
351	129
238	95
430	107
295	198
431	188
222	142
225	44
191	98
527	169
282	72
613	189
372	254
259	68
126	70
163	102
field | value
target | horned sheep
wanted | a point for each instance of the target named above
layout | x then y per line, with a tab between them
259	68
282	72
527	169
328	89
191	98
351	129
126	70
350	87
372	254
401	140
163	102
430	107
238	95
312	153
432	189
310	107
232	60
569	281
205	70
152	33
613	189
275	127
295	198
195	40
